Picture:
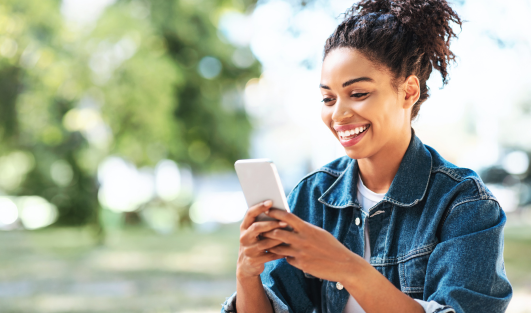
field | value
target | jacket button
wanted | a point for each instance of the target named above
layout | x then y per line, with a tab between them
339	286
357	221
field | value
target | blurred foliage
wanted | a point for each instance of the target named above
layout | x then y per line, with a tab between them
128	84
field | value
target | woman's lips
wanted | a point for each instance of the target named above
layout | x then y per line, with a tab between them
355	140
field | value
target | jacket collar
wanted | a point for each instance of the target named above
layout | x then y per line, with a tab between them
407	189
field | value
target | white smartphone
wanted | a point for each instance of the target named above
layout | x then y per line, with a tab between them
260	181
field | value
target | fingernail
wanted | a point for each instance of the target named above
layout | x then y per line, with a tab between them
268	202
283	224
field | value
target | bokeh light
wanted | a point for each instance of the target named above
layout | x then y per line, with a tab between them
516	162
220	207
167	180
14	167
8	211
209	67
36	212
123	187
61	172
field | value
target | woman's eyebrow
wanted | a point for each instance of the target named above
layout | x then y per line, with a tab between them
350	82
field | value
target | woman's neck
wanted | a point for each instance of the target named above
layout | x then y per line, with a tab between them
379	170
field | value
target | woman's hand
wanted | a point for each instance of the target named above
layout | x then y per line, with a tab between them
252	255
313	250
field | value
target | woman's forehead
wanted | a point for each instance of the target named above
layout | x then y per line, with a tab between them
343	64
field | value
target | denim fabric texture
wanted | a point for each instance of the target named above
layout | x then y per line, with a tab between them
437	235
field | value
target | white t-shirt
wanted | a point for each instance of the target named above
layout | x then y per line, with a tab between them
367	199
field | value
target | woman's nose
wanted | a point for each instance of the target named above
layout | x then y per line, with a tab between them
342	111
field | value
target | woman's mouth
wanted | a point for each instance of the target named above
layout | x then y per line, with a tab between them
352	136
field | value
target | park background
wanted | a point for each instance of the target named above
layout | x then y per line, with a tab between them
120	121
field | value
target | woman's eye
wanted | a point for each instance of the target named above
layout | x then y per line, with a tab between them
359	95
326	100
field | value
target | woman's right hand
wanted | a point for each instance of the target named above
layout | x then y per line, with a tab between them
252	255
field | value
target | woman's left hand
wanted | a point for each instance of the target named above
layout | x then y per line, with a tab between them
313	250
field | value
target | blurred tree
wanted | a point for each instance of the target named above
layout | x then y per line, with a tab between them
148	80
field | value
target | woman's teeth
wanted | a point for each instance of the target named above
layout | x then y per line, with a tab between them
349	134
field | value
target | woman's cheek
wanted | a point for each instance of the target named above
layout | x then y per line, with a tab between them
326	116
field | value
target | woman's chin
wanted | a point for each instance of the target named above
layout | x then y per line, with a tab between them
358	151
355	154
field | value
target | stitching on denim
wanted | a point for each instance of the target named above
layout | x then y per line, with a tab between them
311	174
413	289
376	205
386	240
448	171
394	261
330	171
331	186
481	188
322	170
402	275
448	212
387	234
404	287
302	180
418	252
349	204
377	212
483	195
482	192
463	202
421	197
403	281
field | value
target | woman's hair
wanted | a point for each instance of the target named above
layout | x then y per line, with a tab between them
408	37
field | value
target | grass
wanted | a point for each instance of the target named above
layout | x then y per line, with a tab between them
137	270
517	256
60	270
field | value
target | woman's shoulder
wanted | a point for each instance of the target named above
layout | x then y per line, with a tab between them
458	179
466	204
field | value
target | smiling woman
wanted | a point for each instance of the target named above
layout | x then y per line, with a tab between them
392	226
358	95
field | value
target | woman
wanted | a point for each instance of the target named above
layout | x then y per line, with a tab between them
392	226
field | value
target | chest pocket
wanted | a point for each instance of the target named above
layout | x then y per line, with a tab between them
412	272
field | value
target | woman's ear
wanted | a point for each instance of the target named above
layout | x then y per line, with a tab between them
411	91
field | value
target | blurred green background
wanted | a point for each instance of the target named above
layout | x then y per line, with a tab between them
142	81
126	84
120	121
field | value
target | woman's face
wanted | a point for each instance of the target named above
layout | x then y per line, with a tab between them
360	106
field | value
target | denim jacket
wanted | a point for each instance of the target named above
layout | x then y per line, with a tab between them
437	235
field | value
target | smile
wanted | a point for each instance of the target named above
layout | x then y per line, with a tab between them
352	133
349	137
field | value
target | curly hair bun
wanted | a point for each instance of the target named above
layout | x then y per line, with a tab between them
409	37
428	19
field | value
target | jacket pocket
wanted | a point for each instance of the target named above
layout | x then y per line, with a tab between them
412	274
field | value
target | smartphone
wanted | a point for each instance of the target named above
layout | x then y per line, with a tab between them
260	181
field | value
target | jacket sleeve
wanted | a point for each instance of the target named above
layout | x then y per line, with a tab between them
465	272
289	290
